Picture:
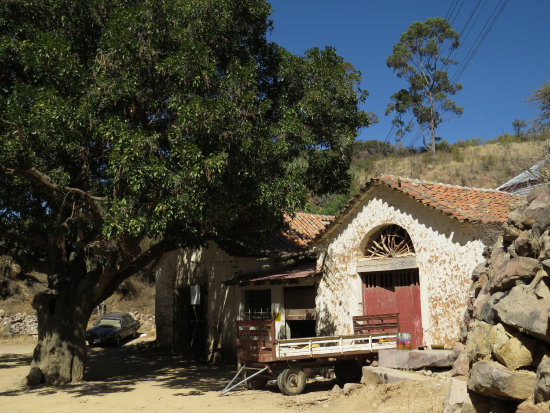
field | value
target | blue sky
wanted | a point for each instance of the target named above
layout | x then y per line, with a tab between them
512	61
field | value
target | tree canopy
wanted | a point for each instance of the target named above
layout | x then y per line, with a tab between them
129	127
541	98
418	58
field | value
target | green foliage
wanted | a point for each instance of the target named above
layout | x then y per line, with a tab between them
518	125
123	121
541	98
443	146
469	142
417	58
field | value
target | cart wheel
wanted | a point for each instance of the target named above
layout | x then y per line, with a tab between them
255	383
291	382
348	371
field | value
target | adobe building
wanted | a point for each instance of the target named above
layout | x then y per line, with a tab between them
409	247
200	293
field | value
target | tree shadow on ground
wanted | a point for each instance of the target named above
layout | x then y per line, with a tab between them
8	361
119	369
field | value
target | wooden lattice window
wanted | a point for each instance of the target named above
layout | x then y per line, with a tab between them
390	242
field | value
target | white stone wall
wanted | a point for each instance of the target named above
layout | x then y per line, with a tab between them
206	266
211	266
447	252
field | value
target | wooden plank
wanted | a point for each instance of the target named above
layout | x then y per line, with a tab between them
387	264
300	314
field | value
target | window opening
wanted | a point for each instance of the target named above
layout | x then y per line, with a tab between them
257	304
390	242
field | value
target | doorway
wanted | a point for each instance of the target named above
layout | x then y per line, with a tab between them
396	291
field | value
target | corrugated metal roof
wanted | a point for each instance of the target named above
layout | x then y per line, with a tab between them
526	181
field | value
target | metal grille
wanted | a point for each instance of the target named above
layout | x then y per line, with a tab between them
391	279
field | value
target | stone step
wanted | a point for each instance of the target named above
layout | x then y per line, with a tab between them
415	359
388	375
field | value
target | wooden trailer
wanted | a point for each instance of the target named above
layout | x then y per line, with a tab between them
262	357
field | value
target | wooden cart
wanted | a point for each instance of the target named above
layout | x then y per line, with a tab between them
263	358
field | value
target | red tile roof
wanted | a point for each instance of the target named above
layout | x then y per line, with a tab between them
302	229
458	202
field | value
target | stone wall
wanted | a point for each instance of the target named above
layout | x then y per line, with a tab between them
507	327
447	251
18	325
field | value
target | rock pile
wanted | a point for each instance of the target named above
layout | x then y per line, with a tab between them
508	329
18	325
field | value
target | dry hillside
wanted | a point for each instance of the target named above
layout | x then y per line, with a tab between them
484	166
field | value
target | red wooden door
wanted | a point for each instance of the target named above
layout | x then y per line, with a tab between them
395	292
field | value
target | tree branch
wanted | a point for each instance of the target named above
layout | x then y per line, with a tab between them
113	280
46	186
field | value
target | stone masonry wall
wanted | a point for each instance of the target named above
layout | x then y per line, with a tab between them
507	325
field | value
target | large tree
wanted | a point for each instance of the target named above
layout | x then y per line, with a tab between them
541	98
419	57
130	127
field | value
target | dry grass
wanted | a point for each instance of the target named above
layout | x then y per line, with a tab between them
486	166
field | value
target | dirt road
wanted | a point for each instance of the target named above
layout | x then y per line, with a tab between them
140	378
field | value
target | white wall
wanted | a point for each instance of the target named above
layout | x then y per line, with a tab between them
447	252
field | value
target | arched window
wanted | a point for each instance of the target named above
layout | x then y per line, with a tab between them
389	242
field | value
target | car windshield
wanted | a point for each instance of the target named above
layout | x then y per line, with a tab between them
108	322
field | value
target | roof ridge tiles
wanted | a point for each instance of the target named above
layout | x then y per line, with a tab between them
421	181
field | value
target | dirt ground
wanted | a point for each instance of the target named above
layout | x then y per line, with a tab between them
137	377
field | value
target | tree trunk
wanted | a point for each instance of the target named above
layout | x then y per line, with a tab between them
60	355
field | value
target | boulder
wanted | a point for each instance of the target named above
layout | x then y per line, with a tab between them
478	346
457	399
516	352
336	391
542	386
542	221
516	217
498	337
351	387
526	310
487	310
539	195
510	233
458	349
522	244
520	268
544	253
461	366
369	377
529	407
494	380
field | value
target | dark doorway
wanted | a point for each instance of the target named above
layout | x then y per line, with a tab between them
300	314
190	322
301	328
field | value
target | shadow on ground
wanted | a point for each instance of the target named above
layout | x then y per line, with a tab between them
120	369
9	361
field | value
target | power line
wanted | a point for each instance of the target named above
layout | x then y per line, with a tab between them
474	48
